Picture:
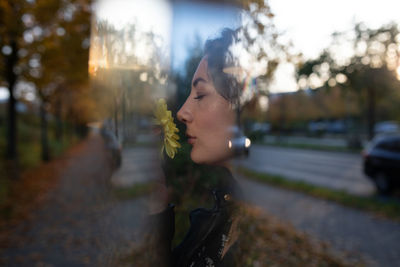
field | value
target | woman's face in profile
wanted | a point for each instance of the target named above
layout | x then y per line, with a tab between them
209	119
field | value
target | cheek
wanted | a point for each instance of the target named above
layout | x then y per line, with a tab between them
217	120
215	125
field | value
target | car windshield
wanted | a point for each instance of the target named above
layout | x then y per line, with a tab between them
388	143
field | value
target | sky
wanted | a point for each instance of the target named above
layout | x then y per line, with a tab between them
307	23
198	20
153	15
310	23
178	24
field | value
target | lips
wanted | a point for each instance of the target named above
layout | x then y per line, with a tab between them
191	139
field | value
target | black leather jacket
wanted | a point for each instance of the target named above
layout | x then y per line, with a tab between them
208	234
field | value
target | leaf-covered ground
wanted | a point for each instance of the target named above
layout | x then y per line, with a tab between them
64	213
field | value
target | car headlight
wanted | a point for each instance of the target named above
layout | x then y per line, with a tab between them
247	143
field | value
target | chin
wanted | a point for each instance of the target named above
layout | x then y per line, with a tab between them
208	159
195	158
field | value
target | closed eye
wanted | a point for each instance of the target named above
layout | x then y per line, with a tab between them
199	97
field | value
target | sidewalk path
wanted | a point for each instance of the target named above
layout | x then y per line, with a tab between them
139	164
357	232
81	224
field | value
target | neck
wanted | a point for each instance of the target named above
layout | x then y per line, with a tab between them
226	164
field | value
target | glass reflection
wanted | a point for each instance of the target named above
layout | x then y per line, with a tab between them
193	133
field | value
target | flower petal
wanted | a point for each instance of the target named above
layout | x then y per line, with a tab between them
170	151
166	121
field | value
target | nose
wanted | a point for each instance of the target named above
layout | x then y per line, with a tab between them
184	114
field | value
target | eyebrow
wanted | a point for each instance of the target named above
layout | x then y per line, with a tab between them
195	82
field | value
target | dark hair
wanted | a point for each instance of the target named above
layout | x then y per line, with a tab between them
219	58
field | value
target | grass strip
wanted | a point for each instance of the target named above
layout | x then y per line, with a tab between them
131	192
383	207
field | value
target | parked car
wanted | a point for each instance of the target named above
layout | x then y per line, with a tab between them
329	126
262	127
258	130
382	162
387	127
239	143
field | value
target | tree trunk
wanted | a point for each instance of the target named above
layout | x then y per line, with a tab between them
44	131
11	62
371	103
282	117
116	119
59	123
124	135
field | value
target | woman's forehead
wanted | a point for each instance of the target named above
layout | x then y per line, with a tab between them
202	70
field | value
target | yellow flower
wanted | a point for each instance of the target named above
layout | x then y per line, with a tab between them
165	120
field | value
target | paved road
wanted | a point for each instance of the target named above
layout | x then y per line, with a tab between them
326	141
359	234
336	170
